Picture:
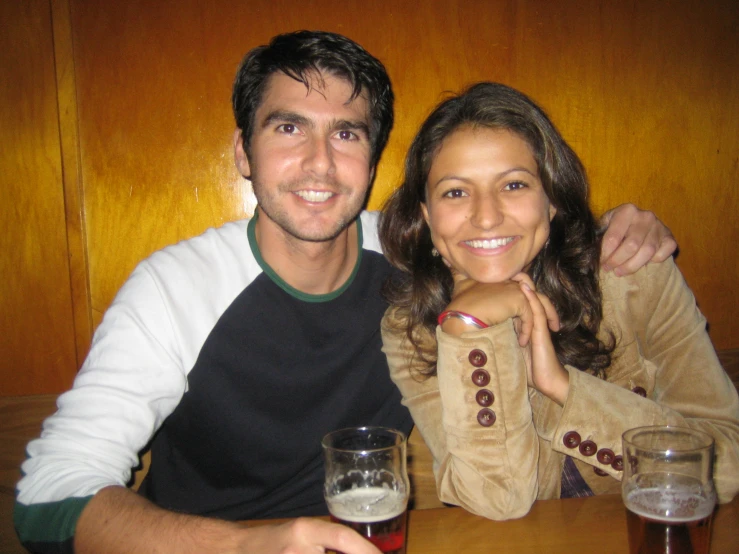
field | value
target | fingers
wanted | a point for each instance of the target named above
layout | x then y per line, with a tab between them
549	312
526	326
627	228
634	237
337	537
524	278
614	233
544	316
667	247
308	536
547	374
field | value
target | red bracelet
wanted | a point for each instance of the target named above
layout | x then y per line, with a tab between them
466	318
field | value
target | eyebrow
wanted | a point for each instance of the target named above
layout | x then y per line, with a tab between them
500	175
284	116
351	126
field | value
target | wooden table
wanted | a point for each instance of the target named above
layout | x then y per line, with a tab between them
596	524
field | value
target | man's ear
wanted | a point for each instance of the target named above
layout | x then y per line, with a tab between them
242	160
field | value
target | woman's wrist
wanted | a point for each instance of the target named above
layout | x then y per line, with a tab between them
557	387
455	323
467	319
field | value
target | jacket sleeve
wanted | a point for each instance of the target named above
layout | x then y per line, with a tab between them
128	385
485	458
664	372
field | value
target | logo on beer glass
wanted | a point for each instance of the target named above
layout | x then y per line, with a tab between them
366	485
668	491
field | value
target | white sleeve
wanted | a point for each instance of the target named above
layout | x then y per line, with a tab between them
131	381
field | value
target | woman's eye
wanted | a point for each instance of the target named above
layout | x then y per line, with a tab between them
515	185
454	193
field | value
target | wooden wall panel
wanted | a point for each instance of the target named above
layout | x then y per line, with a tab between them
37	336
645	91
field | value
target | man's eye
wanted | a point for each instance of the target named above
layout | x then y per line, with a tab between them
287	128
347	135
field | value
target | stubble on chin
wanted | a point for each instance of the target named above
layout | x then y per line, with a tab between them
311	231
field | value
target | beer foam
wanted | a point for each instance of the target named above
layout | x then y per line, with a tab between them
367	504
669	506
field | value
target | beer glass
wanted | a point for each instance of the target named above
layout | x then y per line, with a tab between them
366	486
667	488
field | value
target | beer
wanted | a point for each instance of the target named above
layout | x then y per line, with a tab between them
665	521
376	513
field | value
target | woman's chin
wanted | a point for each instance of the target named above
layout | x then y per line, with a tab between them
493	277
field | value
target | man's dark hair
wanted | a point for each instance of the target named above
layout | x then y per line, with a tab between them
302	54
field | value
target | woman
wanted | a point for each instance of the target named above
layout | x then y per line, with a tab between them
521	361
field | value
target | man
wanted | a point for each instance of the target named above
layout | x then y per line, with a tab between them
237	350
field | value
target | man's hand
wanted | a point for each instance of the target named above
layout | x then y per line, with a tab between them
307	536
634	238
119	521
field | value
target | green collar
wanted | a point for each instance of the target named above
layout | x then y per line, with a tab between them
292	291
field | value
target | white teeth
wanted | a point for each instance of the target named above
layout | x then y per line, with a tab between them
489	244
314	195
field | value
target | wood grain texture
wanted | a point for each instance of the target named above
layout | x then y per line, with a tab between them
646	93
37	340
20	422
593	524
117	131
72	179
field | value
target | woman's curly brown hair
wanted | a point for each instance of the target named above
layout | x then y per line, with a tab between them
566	269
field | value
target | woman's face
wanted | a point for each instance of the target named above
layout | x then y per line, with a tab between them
485	205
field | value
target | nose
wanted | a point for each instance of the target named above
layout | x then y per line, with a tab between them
486	212
319	158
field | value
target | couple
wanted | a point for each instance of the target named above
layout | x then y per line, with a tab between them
234	352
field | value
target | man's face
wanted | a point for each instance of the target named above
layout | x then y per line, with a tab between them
309	156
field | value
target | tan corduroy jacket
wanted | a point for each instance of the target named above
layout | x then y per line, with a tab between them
664	371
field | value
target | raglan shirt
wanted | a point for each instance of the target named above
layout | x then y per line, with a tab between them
235	374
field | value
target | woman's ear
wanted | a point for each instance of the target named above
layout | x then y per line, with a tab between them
425	212
242	160
552	212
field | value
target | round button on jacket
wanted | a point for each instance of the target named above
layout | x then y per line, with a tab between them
571	439
484	397
477	358
605	456
640	391
588	448
618	463
599	471
486	417
480	377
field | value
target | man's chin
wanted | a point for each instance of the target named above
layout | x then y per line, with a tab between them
319	234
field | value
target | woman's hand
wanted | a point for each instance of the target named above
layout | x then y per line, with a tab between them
545	373
491	303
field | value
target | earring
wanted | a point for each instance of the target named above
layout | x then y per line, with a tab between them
434	252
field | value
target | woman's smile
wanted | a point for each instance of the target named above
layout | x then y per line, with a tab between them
485	204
